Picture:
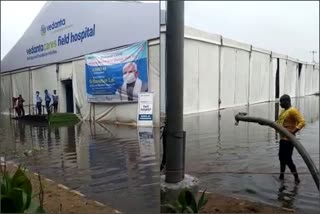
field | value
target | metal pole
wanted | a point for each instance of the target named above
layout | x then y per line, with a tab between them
174	92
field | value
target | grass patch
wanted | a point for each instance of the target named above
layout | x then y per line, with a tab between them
63	119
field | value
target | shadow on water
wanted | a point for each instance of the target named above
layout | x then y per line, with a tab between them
243	160
115	165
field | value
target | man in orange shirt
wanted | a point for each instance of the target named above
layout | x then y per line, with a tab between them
291	119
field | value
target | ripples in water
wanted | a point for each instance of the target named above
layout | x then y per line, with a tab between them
243	160
110	164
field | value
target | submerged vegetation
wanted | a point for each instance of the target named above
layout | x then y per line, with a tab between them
63	119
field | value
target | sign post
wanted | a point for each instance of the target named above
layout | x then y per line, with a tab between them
145	109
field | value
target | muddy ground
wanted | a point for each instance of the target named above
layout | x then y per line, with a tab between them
223	204
60	199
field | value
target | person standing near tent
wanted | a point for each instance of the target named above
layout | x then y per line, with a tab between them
15	105
38	102
47	99
291	119
55	99
20	105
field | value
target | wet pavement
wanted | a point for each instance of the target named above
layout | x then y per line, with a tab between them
107	163
243	160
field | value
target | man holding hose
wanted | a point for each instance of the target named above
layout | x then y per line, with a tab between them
291	119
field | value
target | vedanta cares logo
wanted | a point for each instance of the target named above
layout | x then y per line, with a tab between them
43	30
53	26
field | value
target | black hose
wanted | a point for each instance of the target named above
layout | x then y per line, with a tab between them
304	154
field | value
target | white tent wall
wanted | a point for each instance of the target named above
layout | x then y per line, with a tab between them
290	79
309	76
259	77
44	78
191	77
282	74
302	81
228	77
208	76
79	89
20	85
6	94
242	77
272	80
315	80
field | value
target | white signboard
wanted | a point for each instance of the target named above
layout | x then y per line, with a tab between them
145	109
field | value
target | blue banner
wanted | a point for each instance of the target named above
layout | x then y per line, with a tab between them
117	75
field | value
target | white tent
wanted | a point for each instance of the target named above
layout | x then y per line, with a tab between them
66	62
217	68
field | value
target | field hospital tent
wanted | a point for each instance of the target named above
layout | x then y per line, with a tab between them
51	55
223	73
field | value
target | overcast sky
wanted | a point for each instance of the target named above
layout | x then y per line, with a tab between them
290	28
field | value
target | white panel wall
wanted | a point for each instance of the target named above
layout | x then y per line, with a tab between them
309	76
5	94
291	78
317	90
302	81
44	78
208	76
282	74
228	76
242	77
259	77
191	77
20	85
272	80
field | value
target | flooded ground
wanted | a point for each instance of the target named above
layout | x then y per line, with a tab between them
107	163
243	160
118	165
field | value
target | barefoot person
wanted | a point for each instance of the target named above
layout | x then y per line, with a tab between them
55	99
291	119
20	105
38	102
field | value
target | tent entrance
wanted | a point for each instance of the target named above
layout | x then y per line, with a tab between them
68	95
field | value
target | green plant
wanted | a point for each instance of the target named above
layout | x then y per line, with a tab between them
16	193
187	203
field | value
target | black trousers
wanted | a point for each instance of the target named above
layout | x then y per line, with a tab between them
48	107
285	157
55	107
39	108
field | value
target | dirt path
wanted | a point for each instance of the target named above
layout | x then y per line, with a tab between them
223	204
60	199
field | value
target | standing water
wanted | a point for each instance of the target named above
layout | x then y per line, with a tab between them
107	163
243	160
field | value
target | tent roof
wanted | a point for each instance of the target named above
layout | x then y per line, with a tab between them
95	26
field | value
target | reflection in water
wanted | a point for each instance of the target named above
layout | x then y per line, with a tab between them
110	164
287	197
234	159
